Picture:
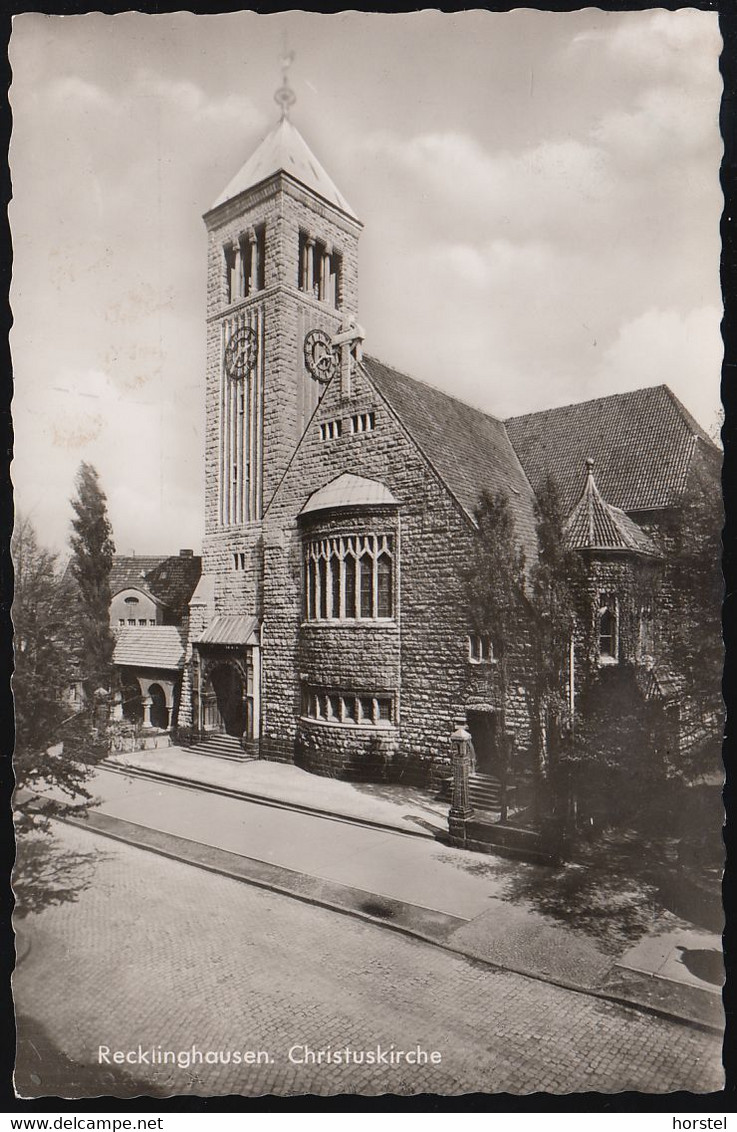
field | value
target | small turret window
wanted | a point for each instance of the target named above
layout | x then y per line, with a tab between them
608	628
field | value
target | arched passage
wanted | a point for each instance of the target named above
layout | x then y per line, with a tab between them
159	711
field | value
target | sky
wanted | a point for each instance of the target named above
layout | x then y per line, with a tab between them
539	191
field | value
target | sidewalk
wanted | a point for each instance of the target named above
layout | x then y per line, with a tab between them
406	808
337	844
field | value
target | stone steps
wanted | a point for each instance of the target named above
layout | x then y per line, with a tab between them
225	747
485	792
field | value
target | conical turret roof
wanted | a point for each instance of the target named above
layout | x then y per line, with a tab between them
284	149
594	524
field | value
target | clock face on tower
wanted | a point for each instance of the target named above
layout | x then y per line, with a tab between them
241	353
321	358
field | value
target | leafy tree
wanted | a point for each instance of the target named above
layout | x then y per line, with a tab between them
560	615
495	587
692	636
56	745
91	564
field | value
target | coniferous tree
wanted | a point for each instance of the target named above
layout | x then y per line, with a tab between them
56	745
91	565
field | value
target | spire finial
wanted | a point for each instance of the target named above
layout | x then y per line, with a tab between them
590	468
285	96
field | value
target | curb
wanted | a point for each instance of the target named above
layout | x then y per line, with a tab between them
118	829
262	800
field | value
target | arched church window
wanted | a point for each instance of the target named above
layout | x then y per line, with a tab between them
383	586
367	585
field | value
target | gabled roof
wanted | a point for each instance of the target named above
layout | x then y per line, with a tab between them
169	578
595	525
138	589
284	149
469	449
642	443
349	491
231	629
157	646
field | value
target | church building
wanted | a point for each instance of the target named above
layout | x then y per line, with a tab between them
329	625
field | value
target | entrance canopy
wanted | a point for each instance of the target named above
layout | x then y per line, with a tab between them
231	629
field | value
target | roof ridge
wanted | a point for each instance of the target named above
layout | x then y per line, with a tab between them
589	401
436	389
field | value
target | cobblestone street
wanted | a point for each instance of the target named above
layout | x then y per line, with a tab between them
157	953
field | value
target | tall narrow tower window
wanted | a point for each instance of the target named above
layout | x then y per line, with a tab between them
245	264
319	270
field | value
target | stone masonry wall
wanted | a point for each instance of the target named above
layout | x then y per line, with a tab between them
431	630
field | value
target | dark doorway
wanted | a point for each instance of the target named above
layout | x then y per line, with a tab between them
225	703
482	725
159	714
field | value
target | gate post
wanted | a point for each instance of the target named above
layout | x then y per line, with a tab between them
460	805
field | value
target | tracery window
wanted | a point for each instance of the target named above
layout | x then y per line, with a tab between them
350	577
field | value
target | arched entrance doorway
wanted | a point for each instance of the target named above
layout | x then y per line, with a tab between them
159	713
225	706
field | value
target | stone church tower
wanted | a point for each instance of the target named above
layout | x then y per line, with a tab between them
282	279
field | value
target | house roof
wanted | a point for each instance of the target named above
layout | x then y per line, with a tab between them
156	646
642	444
469	449
349	491
285	150
594	524
169	578
231	629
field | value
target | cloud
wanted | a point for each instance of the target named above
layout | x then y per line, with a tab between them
679	349
661	46
192	105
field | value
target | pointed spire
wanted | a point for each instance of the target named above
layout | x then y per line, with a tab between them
594	524
285	96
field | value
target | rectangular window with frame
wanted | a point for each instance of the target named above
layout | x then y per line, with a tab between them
348	709
480	649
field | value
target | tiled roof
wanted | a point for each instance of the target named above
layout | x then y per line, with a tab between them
349	491
231	629
595	525
157	646
642	444
469	450
285	149
170	578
